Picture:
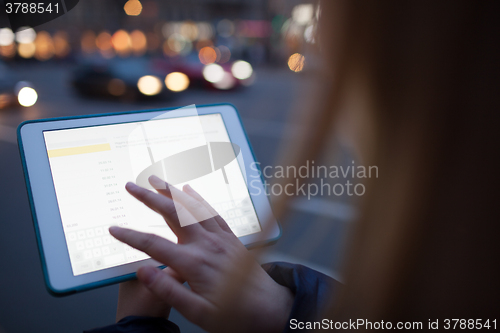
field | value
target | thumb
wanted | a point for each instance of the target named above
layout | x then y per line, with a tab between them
172	292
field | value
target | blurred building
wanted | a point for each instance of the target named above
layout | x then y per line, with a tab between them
258	31
109	14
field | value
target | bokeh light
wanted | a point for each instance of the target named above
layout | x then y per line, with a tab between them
205	30
168	51
149	85
169	28
309	34
225	28
7	46
6	37
177	81
8	51
207	55
225	54
296	62
177	44
44	46
277	23
61	45
189	30
203	43
303	13
27	96
241	70
133	7
103	41
26	50
25	35
88	42
121	42
5	100
217	54
138	42
213	73
226	82
116	87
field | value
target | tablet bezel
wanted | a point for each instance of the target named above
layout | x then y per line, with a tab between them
50	236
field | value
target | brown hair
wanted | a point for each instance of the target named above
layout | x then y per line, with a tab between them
425	75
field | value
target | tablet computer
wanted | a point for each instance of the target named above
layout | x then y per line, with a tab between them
76	169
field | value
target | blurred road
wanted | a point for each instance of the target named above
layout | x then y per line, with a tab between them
313	235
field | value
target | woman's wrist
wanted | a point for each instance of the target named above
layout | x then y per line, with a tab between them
281	300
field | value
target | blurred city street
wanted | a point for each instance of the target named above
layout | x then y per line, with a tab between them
264	108
313	234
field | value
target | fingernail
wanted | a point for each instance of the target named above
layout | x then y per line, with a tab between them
131	186
188	187
114	230
157	183
147	274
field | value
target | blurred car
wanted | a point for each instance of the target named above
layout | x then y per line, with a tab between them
14	92
127	79
140	78
227	76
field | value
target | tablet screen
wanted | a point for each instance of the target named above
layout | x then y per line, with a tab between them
91	165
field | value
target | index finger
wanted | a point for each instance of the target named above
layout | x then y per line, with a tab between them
195	208
216	217
165	207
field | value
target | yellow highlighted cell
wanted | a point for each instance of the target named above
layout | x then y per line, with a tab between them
78	150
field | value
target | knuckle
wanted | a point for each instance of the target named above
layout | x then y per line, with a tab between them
198	261
215	245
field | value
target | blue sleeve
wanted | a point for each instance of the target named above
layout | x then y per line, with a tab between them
135	324
314	291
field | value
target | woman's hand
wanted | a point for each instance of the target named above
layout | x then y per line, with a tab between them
134	299
229	291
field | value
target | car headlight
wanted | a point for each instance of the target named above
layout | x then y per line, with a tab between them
213	73
242	70
149	85
26	94
177	81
